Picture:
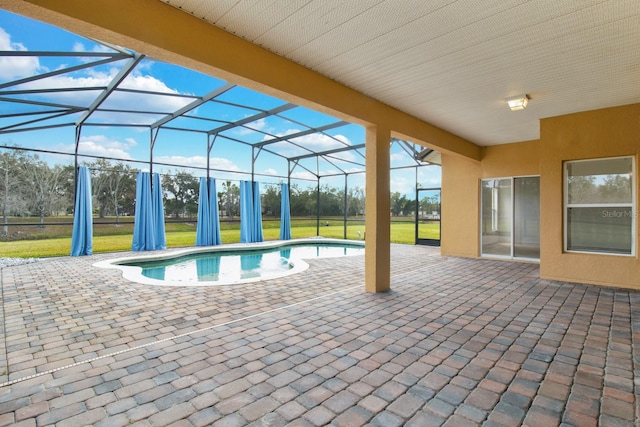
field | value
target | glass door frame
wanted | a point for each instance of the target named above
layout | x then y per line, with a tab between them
513	219
428	242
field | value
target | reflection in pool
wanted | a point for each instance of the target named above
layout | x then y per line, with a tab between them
232	264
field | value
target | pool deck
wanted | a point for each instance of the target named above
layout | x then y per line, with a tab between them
456	342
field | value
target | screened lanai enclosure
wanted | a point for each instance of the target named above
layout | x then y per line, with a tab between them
87	125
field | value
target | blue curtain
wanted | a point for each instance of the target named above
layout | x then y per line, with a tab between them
257	214
202	228
82	235
250	212
148	226
143	237
158	214
246	212
214	213
208	229
285	215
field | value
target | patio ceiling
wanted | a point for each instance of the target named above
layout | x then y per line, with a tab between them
453	63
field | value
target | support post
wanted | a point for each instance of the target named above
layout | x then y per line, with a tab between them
75	161
152	143
318	208
417	215
346	214
5	212
377	207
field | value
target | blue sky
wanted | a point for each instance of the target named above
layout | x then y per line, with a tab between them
183	148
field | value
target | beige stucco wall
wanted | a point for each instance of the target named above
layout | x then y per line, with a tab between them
593	134
461	191
460	207
519	159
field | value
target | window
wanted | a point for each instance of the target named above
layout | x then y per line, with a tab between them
599	199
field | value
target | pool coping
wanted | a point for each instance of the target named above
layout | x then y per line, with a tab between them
134	273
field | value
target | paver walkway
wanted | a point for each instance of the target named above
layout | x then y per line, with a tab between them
456	342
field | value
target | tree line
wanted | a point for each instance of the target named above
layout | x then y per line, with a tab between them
31	187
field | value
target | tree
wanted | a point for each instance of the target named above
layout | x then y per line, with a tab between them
11	186
68	188
409	207
298	201
398	203
331	203
429	204
615	189
100	176
120	184
355	201
271	201
230	199
582	189
183	188
43	190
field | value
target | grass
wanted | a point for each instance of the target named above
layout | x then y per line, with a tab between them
55	240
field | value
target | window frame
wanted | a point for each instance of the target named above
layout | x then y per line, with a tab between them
566	206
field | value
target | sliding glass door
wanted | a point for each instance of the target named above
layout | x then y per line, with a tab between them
496	217
510	217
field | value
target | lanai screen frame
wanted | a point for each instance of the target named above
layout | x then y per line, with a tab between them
53	113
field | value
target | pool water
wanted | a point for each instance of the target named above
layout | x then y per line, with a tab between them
239	265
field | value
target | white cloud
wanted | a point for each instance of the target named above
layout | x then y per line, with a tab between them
316	142
335	177
222	163
117	100
397	157
430	176
348	156
147	82
15	67
402	185
199	161
280	134
270	171
321	142
80	47
260	124
101	145
304	175
355	170
12	68
195	161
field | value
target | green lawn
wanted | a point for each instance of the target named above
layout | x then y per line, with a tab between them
55	240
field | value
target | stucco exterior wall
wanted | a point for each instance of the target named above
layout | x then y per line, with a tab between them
460	206
518	159
461	191
609	132
602	133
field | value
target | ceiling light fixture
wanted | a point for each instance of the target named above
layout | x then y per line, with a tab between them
518	102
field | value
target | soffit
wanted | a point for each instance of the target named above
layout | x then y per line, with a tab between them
453	63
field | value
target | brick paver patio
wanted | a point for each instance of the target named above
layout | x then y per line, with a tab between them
456	342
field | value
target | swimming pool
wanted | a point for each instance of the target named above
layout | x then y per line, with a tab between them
230	264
